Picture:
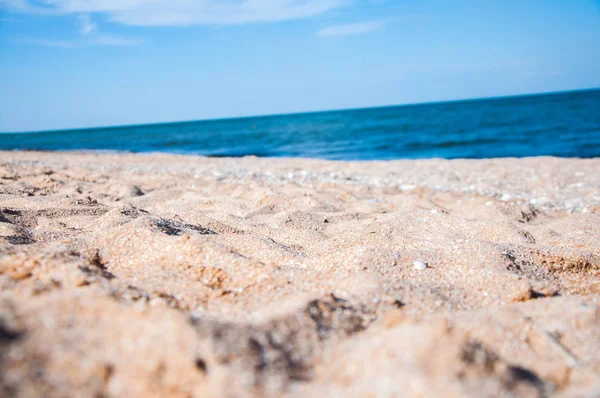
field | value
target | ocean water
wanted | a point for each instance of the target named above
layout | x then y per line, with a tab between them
564	124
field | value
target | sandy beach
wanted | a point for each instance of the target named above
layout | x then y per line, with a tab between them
161	275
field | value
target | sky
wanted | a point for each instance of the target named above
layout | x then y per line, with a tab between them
86	63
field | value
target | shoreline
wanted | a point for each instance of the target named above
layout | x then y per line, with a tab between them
160	274
307	158
398	173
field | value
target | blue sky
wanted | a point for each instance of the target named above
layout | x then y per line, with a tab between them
82	63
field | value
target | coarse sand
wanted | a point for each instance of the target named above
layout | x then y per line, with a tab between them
162	275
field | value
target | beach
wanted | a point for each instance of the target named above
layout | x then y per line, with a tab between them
158	275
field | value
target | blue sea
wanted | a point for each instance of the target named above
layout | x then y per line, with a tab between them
562	124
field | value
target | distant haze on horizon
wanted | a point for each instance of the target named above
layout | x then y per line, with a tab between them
87	63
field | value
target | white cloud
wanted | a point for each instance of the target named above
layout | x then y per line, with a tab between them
88	30
352	29
163	13
86	26
183	12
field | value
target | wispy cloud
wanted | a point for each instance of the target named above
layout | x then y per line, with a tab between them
183	12
351	29
89	35
163	13
97	40
86	25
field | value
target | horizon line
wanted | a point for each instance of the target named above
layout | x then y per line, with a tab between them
230	118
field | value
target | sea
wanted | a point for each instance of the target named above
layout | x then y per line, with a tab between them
560	124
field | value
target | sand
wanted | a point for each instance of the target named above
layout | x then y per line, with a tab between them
173	276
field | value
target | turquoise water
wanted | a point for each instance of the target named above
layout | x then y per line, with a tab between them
564	124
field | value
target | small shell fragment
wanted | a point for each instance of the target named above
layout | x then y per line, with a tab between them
420	265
